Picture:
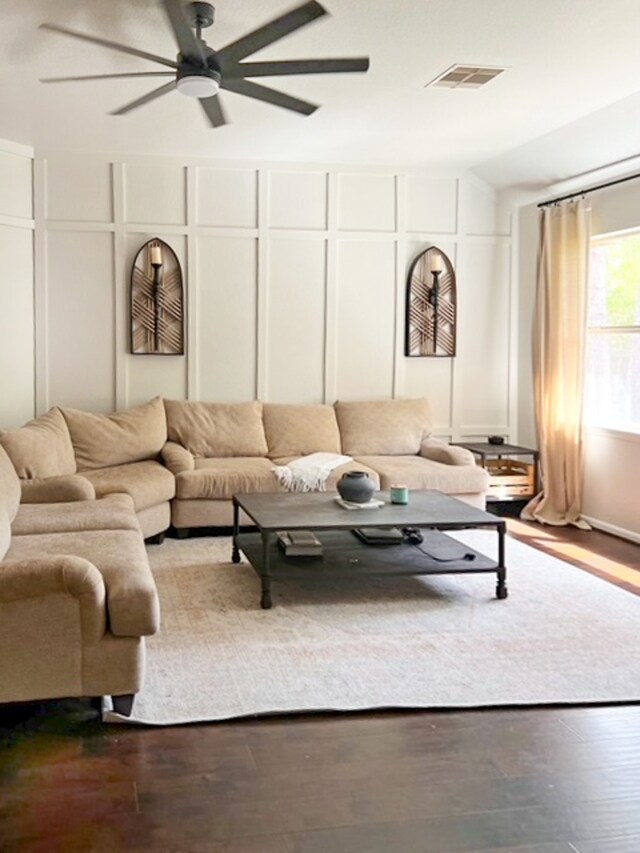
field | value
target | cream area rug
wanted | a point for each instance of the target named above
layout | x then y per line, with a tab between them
562	636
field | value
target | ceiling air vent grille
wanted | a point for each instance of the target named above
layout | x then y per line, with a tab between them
466	77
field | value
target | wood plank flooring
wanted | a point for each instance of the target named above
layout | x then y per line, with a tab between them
548	780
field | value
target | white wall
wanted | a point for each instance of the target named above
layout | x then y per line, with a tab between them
611	498
16	285
295	282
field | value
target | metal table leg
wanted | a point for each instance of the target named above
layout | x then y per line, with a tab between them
235	554
265	576
501	587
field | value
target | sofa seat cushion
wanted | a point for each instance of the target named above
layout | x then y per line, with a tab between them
415	472
383	427
41	448
120	557
219	479
101	441
300	430
334	476
114	512
148	483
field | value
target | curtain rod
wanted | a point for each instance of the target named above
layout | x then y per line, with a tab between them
589	190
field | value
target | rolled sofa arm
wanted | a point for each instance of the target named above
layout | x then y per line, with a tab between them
440	451
54	490
177	458
46	576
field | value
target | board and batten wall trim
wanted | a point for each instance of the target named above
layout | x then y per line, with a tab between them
295	277
17	297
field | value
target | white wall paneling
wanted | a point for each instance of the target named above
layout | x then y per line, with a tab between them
80	319
226	273
16	326
482	368
155	192
432	205
295	277
296	321
366	319
17	386
227	197
366	202
65	203
298	200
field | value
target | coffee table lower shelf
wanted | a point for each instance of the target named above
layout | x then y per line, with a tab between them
346	557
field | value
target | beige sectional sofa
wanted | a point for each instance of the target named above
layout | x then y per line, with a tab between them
216	450
76	593
79	491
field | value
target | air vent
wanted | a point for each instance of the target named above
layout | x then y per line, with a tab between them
466	77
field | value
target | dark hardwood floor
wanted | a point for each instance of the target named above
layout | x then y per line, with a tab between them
546	780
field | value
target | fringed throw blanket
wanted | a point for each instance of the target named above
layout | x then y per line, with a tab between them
310	473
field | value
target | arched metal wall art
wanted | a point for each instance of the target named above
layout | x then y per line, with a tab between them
157	301
430	324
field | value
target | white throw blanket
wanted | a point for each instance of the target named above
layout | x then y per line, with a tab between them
310	473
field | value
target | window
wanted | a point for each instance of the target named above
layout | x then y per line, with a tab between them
612	380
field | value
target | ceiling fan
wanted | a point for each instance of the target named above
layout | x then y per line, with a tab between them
200	72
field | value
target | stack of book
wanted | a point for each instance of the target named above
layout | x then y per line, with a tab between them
300	543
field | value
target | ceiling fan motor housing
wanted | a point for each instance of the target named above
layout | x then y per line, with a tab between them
197	81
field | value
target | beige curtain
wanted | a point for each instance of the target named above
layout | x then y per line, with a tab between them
558	361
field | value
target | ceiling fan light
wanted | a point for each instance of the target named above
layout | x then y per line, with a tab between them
198	86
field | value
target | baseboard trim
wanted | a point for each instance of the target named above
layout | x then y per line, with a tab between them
622	532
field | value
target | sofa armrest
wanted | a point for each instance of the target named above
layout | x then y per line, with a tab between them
440	451
64	489
177	458
65	575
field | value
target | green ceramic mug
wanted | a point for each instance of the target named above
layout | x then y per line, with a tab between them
399	495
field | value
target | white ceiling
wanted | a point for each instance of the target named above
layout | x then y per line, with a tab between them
565	59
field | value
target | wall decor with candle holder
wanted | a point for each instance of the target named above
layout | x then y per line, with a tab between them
430	322
157	301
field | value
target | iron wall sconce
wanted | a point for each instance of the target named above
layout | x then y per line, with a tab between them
157	301
430	323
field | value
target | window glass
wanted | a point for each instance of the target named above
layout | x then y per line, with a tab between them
612	380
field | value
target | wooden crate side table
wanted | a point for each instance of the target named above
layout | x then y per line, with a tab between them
512	481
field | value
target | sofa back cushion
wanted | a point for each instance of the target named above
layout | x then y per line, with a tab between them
101	441
210	430
9	500
383	427
300	430
41	448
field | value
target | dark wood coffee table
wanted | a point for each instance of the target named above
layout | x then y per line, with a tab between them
344	554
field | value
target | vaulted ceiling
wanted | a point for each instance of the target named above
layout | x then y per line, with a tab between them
565	60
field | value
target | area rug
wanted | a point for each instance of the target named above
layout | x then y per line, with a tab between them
562	636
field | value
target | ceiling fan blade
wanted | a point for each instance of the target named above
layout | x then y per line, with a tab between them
132	51
297	66
270	96
213	111
190	46
150	96
272	31
107	76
